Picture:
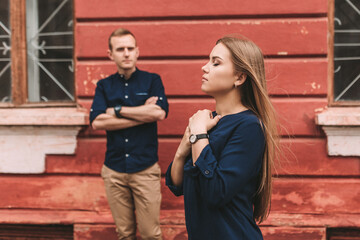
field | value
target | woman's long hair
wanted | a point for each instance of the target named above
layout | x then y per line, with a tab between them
248	59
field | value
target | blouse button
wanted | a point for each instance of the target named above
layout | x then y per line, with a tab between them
206	172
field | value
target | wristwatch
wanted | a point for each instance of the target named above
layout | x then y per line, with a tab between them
117	110
193	138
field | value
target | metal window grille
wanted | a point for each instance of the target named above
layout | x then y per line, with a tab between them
5	62
49	32
347	50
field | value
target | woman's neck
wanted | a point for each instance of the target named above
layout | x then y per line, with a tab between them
229	104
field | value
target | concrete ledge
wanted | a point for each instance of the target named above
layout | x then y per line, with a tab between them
28	134
338	116
43	116
342	128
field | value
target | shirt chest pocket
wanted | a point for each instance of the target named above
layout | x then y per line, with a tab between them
141	97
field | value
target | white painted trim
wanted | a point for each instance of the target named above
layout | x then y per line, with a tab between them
23	149
28	134
43	116
343	141
342	128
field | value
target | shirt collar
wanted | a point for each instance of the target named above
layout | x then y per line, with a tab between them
132	76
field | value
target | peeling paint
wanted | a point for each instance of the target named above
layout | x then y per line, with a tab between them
304	31
319	110
295	198
323	199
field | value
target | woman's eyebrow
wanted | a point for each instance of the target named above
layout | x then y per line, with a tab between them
215	57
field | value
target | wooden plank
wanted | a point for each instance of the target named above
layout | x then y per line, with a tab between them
94	232
48	216
100	232
316	220
53	192
296	115
301	195
66	193
18	52
303	156
290	195
293	233
178	232
308	157
170	217
197	38
183	77
89	9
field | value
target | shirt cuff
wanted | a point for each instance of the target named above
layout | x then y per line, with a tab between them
163	104
206	163
177	190
93	114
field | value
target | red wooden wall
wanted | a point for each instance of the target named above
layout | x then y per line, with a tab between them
311	191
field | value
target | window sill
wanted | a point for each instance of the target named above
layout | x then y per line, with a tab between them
43	117
27	135
342	128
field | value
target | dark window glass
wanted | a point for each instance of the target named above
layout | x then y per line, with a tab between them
50	50
347	50
5	50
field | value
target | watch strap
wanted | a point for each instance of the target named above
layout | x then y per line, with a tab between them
197	137
117	110
201	136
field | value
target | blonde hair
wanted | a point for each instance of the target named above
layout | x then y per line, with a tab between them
248	59
119	33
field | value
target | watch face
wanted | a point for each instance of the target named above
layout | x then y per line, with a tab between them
192	138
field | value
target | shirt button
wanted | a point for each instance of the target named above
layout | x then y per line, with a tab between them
160	98
126	140
126	155
126	96
126	84
206	172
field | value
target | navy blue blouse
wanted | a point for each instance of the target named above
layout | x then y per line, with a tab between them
218	191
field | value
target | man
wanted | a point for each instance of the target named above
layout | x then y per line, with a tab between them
128	105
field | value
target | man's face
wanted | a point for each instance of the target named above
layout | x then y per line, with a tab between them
124	52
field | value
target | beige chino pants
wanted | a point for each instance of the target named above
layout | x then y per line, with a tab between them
139	192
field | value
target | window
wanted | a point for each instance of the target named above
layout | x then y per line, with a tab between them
343	234
36	56
346	88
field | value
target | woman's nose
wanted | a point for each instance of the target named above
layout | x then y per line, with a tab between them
205	68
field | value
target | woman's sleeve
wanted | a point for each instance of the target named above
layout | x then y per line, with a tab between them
239	163
177	190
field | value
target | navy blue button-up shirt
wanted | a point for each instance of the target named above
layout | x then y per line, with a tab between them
132	149
218	191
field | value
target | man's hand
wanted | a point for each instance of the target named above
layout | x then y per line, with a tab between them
110	111
151	100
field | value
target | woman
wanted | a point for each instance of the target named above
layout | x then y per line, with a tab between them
223	163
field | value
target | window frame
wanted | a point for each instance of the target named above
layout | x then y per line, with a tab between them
331	79
19	91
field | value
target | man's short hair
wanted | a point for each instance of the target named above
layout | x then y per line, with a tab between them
118	33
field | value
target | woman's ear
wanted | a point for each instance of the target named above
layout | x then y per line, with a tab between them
241	78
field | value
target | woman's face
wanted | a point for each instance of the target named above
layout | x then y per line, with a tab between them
219	77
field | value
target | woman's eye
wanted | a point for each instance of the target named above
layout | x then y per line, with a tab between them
215	64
